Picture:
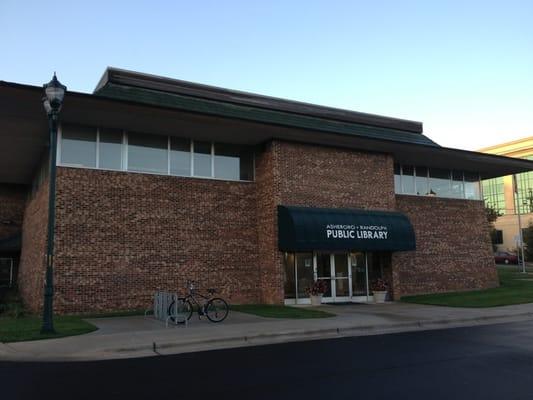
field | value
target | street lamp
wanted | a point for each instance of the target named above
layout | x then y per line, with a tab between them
52	101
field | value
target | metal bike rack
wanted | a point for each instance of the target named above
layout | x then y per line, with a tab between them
162	302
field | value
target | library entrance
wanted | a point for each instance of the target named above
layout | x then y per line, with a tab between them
348	276
318	245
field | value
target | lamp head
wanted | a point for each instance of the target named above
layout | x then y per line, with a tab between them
54	94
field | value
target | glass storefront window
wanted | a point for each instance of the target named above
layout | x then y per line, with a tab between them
378	263
290	277
78	146
304	273
357	262
147	153
180	156
299	274
110	149
348	275
202	159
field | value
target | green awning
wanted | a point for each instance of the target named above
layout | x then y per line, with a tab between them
331	229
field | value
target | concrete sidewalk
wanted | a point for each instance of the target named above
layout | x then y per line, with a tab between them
139	336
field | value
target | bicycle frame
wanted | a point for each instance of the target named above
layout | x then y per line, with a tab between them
193	296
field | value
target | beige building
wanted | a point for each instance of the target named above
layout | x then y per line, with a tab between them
499	193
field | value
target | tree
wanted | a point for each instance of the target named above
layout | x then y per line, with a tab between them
527	236
492	215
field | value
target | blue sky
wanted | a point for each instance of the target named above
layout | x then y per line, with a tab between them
463	68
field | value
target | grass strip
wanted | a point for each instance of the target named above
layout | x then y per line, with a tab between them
29	328
515	288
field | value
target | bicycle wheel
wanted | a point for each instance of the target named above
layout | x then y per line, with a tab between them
184	309
216	310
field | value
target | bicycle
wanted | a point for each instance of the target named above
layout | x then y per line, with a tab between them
215	309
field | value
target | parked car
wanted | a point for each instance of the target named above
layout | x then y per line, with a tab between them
504	257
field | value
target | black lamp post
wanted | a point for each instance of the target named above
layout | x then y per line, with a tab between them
52	101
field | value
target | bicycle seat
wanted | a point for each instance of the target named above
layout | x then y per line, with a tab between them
211	291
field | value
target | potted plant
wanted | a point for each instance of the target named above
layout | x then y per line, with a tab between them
316	291
379	290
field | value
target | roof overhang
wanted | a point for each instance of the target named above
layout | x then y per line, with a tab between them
24	133
124	78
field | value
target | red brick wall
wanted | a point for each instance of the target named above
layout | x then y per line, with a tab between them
32	258
453	252
317	176
314	176
12	203
453	247
121	236
268	197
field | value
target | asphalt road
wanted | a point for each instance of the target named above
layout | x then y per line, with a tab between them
490	362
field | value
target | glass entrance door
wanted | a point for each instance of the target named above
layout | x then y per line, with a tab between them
347	275
333	268
341	281
323	272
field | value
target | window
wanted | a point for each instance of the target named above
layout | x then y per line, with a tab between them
524	182
421	181
110	149
494	195
440	182
397	178
497	236
180	156
114	149
202	159
147	153
247	165
424	181
78	146
233	162
408	179
458	185
227	161
472	189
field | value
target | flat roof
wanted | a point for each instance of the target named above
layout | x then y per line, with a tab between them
24	133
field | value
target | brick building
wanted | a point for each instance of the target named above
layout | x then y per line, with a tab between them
160	181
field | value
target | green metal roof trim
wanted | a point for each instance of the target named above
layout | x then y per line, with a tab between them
204	106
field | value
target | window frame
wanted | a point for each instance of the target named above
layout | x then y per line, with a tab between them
451	173
124	157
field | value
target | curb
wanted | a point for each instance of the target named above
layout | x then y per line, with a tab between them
173	347
7	353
